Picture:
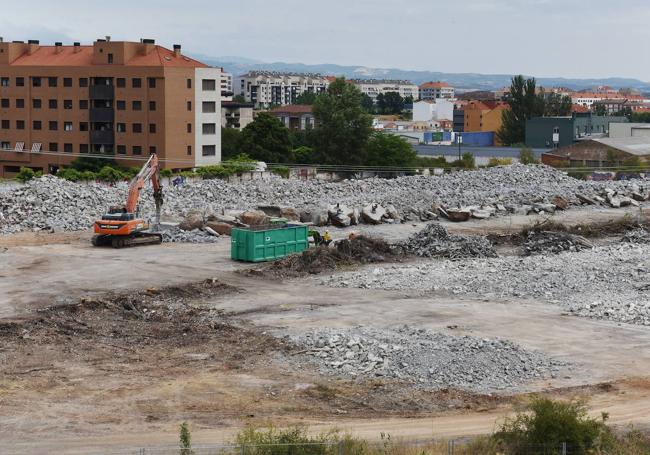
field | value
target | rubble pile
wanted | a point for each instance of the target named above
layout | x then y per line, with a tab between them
49	203
429	360
638	235
544	242
177	235
435	241
606	282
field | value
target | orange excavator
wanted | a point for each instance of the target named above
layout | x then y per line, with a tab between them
122	226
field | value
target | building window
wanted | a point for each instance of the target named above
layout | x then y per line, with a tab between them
5	145
152	105
110	59
83	148
67	104
83	82
36	103
209	128
136	82
20	82
209	85
209	107
54	126
136	150
121	105
189	83
52	104
136	105
121	149
152	82
152	149
189	150
189	127
121	82
209	150
67	148
83	126
36	124
20	124
67	82
36	81
67	126
4	103
4	82
83	104
20	103
152	128
53	147
5	124
120	127
189	106
137	127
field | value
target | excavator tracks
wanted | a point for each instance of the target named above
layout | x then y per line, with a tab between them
142	238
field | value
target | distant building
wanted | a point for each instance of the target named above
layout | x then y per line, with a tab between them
268	88
373	87
550	132
587	99
597	152
614	105
436	90
440	109
226	86
236	115
295	116
127	99
623	130
484	116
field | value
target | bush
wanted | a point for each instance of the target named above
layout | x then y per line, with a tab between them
466	162
303	155
426	161
282	171
27	173
110	175
86	163
166	173
499	162
185	440
526	156
71	174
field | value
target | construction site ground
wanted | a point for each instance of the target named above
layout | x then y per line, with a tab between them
95	352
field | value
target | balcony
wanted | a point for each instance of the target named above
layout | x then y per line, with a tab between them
102	92
102	115
102	137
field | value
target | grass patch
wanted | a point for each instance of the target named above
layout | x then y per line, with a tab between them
596	229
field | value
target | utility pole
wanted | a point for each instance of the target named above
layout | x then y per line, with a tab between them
459	139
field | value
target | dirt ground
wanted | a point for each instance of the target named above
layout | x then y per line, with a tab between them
112	348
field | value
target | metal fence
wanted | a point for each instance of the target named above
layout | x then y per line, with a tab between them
420	447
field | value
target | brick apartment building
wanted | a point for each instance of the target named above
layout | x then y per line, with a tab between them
126	98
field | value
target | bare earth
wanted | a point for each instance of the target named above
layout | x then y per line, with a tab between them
83	369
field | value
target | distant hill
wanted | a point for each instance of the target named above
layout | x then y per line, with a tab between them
461	81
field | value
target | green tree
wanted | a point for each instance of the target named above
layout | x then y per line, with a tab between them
303	155
185	440
266	139
408	100
640	117
368	104
343	126
600	109
306	98
525	104
547	423
390	103
556	104
87	163
239	99
230	142
390	150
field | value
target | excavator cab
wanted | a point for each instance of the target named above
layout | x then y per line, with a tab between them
121	226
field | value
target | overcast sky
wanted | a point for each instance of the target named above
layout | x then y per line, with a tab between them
571	38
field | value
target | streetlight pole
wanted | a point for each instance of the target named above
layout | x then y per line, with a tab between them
459	139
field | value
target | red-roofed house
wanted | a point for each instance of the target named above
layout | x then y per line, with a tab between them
112	97
295	116
435	90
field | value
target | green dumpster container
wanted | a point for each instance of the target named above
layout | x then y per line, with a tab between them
267	243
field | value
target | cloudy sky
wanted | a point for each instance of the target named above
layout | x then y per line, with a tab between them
571	38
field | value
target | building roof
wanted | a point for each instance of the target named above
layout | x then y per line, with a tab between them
293	109
437	84
639	146
83	56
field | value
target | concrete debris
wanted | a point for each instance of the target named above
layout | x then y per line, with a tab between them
435	241
193	220
560	203
639	235
49	203
428	360
177	235
605	282
544	242
373	214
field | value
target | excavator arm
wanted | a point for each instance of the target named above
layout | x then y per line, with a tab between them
150	171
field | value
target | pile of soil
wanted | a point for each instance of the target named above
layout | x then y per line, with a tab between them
360	250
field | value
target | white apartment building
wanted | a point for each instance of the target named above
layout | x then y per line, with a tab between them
226	86
436	90
373	87
440	109
266	88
